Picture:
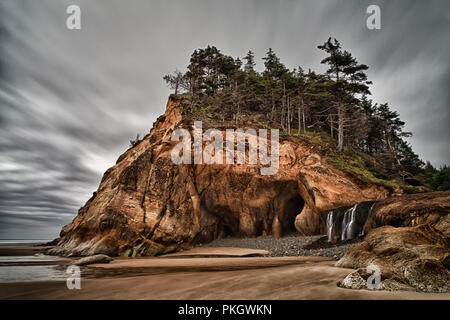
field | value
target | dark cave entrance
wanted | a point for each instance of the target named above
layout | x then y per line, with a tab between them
286	208
280	199
292	207
226	231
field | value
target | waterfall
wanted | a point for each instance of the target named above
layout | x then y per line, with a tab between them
370	213
330	225
348	224
348	221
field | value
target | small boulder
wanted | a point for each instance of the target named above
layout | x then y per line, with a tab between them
359	279
98	258
353	281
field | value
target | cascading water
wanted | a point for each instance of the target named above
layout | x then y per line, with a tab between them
330	225
370	213
348	223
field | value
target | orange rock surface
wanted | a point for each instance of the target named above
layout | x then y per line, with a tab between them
146	205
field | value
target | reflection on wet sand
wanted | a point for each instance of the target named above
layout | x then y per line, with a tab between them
211	274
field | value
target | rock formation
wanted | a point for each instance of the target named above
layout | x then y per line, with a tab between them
418	257
410	210
147	205
408	239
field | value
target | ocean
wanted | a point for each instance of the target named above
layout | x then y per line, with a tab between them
15	243
29	268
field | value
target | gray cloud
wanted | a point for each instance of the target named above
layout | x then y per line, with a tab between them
71	100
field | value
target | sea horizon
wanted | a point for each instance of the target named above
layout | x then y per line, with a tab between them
14	242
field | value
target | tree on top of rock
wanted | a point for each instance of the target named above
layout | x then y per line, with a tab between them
250	64
349	81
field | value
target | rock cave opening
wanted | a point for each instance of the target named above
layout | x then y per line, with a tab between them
227	231
292	207
263	216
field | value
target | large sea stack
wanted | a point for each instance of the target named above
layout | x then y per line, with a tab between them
146	205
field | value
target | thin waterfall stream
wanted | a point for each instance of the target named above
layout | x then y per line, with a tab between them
348	223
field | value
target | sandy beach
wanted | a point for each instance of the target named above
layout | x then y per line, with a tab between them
208	273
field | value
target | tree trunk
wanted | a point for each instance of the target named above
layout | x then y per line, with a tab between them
299	119
288	116
273	107
340	128
331	126
303	113
283	106
237	113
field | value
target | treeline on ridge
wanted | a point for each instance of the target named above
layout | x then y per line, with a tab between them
297	102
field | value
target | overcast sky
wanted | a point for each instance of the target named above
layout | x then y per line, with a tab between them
71	100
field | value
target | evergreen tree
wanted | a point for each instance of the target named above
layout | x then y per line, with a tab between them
274	69
374	133
249	62
336	102
409	160
349	80
441	179
176	81
429	171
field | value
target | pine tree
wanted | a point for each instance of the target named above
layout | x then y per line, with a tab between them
176	81
250	64
409	161
374	132
336	102
349	80
441	179
274	69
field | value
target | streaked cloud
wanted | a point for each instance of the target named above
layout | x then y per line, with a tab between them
71	100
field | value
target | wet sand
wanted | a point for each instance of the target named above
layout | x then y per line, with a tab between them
226	277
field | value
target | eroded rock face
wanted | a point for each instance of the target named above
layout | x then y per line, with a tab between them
147	205
410	210
416	256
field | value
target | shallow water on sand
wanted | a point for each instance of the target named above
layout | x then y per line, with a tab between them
27	268
31	273
34	258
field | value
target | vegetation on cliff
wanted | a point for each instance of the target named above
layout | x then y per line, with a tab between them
333	110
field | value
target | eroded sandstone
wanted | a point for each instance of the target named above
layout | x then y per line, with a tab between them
147	205
414	256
